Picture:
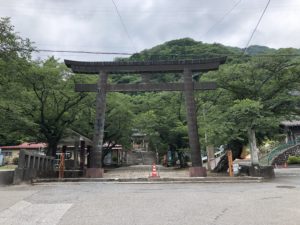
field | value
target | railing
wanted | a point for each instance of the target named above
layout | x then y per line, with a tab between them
32	165
267	159
217	154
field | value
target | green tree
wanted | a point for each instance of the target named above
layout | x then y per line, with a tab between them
15	53
51	103
118	124
256	95
118	120
161	116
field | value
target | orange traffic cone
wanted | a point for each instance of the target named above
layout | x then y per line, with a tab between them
154	173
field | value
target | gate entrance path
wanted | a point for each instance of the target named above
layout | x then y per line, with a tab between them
146	69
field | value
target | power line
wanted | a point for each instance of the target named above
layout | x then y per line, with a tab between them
83	52
124	26
168	55
206	54
222	18
253	32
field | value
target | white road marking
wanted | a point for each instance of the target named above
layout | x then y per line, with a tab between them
26	213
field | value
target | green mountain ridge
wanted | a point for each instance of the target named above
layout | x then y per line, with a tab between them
258	49
188	48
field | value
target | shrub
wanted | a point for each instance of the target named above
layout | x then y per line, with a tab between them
293	160
16	160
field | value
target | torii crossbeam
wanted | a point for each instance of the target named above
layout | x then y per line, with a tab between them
146	68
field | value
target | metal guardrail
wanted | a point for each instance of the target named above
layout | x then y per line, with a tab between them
217	154
279	149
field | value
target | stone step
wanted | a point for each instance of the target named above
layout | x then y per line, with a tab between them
140	158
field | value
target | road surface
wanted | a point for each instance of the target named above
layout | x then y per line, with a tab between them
276	202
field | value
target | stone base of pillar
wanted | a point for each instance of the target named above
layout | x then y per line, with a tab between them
197	171
94	172
262	171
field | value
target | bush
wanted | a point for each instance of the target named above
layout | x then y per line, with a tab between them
294	160
16	160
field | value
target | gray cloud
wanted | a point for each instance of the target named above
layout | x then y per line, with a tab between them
94	25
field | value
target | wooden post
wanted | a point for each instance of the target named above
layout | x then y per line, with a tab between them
61	166
82	155
76	147
230	163
88	150
62	162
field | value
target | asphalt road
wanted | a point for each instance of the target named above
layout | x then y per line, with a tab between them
276	202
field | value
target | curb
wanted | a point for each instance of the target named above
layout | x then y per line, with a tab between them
153	180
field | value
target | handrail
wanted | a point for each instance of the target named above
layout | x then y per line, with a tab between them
279	149
217	154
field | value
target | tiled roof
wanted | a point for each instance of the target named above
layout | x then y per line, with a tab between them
26	145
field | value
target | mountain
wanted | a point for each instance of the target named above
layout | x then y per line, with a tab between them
258	50
186	48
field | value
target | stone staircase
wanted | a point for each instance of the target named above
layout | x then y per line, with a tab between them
140	158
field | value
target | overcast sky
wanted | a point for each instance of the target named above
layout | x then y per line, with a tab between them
94	25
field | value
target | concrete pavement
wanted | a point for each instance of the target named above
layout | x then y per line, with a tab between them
275	202
283	172
270	203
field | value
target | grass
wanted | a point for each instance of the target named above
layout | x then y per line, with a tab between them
8	167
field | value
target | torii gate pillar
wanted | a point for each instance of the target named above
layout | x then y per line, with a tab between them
197	170
96	169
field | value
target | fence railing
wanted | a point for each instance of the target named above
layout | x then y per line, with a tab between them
32	165
217	154
267	159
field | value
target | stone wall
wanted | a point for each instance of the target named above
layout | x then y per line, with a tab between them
283	157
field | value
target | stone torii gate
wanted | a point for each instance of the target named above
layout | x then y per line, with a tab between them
145	69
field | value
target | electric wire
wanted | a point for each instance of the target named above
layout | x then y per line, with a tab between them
83	52
158	55
222	18
124	26
253	32
211	55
